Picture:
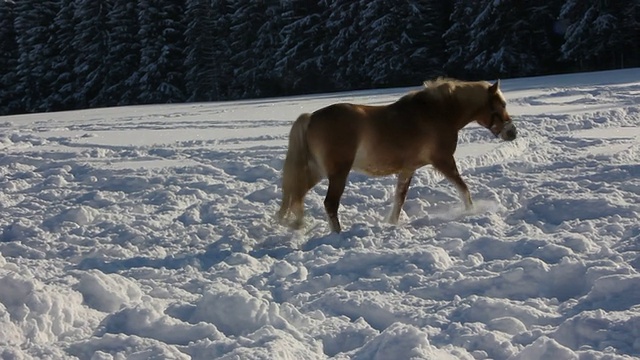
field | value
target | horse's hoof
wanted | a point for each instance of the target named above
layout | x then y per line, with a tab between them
297	224
334	223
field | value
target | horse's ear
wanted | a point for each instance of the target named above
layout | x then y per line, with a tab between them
494	88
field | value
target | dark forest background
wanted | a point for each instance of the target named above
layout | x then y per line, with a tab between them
72	54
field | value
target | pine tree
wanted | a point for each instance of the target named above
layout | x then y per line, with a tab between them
599	33
338	52
489	39
162	44
619	22
62	77
459	37
431	55
200	61
543	40
631	29
247	42
302	32
8	59
381	42
514	38
33	29
484	53
403	41
122	56
90	42
64	54
221	50
263	73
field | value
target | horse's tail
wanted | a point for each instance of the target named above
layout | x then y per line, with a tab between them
298	174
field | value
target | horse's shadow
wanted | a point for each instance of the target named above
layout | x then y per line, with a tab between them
203	261
301	240
277	247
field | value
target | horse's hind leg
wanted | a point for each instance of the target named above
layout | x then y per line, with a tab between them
297	200
293	194
337	182
402	187
447	166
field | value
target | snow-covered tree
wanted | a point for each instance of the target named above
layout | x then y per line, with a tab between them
265	76
33	19
200	40
630	28
221	51
122	56
297	66
600	32
8	59
403	41
64	54
340	50
459	36
161	56
91	44
253	44
501	38
515	38
64	85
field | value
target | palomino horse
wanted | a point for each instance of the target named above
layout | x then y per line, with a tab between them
420	128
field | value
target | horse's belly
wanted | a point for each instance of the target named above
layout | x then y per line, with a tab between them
379	163
376	170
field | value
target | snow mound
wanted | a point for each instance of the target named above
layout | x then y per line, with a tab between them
401	341
107	292
545	348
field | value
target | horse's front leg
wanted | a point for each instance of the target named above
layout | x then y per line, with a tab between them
402	187
447	166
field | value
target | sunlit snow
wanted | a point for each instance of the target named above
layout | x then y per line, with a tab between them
147	232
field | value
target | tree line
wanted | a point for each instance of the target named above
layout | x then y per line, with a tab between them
72	54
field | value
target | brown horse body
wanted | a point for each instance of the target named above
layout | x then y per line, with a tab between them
420	128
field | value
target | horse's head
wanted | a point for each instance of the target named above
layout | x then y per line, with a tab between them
496	119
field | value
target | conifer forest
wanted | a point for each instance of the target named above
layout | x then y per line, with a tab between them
74	54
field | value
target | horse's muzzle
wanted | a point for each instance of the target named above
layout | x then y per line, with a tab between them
508	132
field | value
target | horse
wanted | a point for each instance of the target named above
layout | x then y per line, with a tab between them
419	129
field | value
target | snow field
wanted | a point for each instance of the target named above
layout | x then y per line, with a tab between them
147	232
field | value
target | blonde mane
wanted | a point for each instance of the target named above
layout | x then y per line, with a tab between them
452	89
442	80
448	85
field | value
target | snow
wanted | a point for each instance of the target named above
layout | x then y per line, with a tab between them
147	232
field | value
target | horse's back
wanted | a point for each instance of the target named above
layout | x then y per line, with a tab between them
342	112
334	134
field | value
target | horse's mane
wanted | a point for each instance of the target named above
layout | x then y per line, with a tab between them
440	80
448	93
448	89
447	85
